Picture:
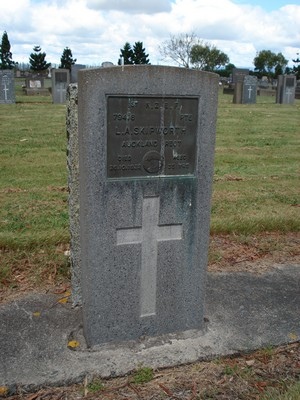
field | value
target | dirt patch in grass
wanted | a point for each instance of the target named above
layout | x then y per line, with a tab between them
259	375
254	254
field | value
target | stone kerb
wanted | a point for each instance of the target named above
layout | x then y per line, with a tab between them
146	164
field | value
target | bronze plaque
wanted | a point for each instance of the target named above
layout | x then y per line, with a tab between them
151	136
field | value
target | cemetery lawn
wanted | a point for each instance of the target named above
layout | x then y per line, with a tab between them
255	208
255	224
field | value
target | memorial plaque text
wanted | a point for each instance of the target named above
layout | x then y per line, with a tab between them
151	136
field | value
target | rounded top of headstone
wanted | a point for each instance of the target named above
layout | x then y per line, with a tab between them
107	64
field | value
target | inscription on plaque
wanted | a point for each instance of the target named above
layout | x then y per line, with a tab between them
151	136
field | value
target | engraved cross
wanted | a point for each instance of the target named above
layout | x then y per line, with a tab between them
148	235
249	91
288	94
61	90
5	90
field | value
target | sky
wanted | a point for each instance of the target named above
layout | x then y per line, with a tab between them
96	30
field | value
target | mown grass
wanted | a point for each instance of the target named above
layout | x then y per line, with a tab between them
256	182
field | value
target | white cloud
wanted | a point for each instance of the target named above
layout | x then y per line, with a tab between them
96	33
139	6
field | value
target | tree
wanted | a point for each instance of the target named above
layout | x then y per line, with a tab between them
5	53
135	55
227	71
126	54
296	68
66	60
139	54
178	48
207	57
268	63
37	60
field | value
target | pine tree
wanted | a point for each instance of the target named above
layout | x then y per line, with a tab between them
126	54
136	55
37	60
139	55
66	60
5	53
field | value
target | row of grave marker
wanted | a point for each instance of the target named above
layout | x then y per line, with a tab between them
244	90
61	78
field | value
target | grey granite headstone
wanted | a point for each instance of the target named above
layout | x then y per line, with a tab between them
297	90
286	87
73	186
249	90
238	74
238	93
7	87
60	81
74	72
146	148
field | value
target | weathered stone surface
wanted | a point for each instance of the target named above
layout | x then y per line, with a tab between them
144	239
73	185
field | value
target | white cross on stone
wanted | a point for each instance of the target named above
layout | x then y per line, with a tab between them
149	234
62	92
5	90
249	91
288	93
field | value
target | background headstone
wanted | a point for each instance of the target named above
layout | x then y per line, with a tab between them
35	86
74	72
60	81
238	74
7	87
286	87
238	93
297	90
249	90
146	165
107	64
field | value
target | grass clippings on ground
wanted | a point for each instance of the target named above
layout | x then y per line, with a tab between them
266	374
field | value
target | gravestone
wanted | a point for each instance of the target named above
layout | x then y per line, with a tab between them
238	93
146	164
249	90
60	81
107	64
74	72
7	87
297	90
35	86
238	74
286	87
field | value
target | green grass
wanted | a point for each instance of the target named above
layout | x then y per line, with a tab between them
291	393
143	375
256	182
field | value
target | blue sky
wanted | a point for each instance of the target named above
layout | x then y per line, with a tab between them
268	5
96	30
